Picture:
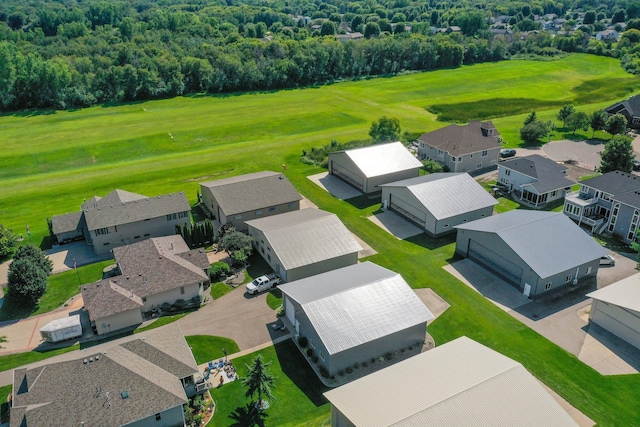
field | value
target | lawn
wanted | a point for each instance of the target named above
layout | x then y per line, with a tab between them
164	320
12	361
207	347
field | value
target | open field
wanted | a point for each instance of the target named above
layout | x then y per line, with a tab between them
171	145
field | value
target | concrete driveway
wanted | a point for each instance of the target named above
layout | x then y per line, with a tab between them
395	225
336	187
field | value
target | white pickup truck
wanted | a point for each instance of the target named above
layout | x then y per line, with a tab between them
262	283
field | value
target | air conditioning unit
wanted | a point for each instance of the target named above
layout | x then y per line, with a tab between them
574	282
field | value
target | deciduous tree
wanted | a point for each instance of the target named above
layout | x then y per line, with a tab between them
616	124
577	120
27	282
564	113
8	241
618	154
598	121
385	129
36	255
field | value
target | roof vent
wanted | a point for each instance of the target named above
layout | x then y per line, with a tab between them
124	394
90	359
97	357
85	361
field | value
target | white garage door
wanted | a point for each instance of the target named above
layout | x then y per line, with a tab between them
346	175
289	311
619	321
494	262
405	209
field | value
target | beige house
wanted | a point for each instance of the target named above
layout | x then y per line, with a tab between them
242	198
149	274
121	218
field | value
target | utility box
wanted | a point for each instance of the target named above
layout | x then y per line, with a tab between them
62	329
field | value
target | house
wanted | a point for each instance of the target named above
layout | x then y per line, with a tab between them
608	35
241	198
616	308
469	148
121	218
356	313
609	202
366	168
630	108
536	252
349	36
534	180
439	201
141	380
150	275
460	383
303	243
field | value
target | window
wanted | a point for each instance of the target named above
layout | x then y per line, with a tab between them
453	159
158	417
459	158
507	172
148	219
100	231
181	290
269	256
272	208
136	237
568	278
553	193
479	166
547	286
292	204
471	156
144	299
259	212
484	153
237	217
636	120
147	235
446	225
172	217
440	152
431	147
262	249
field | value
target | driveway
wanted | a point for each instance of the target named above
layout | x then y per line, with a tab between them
395	225
335	186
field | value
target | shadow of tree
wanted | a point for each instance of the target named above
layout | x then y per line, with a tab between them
248	416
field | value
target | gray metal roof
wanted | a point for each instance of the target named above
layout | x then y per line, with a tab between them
252	191
383	159
369	302
306	236
65	223
467	139
460	383
548	242
548	174
624	293
447	194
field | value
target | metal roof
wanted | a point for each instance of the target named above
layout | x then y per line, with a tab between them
382	159
362	310
447	194
548	242
548	174
306	236
460	383
624	293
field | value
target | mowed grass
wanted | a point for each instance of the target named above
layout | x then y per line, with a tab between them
207	347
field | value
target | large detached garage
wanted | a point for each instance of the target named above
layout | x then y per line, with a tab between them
367	168
616	308
536	252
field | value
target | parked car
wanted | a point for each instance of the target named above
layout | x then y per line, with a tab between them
636	165
508	152
608	260
262	283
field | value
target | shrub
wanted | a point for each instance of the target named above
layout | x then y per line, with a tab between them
365	364
349	370
341	373
314	358
432	166
323	371
356	365
303	341
218	270
309	352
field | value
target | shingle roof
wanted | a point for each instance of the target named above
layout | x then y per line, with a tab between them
460	383
549	174
382	159
460	140
357	304
68	222
624	187
306	237
253	191
447	194
632	105
624	293
548	242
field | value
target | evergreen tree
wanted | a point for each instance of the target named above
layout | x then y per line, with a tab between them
531	118
259	380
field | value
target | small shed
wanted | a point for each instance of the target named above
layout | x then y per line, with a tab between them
62	329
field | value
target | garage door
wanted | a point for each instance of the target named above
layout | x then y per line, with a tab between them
282	273
405	209
617	320
289	311
346	175
497	264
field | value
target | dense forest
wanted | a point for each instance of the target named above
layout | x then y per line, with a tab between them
74	53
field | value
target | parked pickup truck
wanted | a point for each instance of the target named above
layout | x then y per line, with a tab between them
262	283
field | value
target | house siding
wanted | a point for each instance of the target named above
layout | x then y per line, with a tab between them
469	162
623	323
172	295
173	417
513	179
560	280
623	223
118	321
446	225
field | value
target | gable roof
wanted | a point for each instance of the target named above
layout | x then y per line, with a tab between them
67	222
624	293
460	383
467	139
357	304
624	187
548	242
631	106
306	236
252	191
548	174
382	159
447	194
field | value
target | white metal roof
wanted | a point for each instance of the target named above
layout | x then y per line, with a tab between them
460	383
306	236
382	159
624	293
65	322
447	194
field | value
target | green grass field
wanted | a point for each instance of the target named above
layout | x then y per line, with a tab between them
171	145
206	347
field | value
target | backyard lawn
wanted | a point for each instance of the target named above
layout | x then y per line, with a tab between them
207	347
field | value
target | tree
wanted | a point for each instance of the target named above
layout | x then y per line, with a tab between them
564	113
616	124
236	241
532	117
258	380
328	28
577	120
36	255
618	154
598	121
372	30
386	129
589	17
27	282
533	132
8	241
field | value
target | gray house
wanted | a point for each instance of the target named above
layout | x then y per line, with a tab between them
537	252
534	180
470	148
439	201
354	314
609	202
241	198
616	308
121	218
630	108
460	383
302	243
148	275
138	381
369	167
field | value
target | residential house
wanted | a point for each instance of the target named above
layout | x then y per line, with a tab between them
607	203
356	313
460	383
141	380
121	218
470	148
439	201
367	168
534	251
630	108
534	180
241	198
349	36
151	275
616	308
608	36
303	243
